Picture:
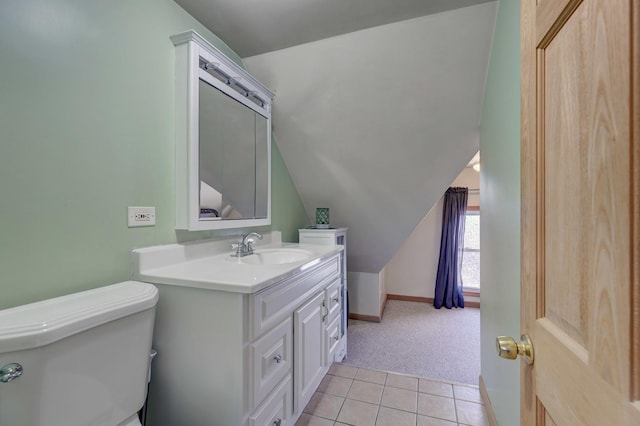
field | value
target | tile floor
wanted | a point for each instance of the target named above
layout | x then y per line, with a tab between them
358	396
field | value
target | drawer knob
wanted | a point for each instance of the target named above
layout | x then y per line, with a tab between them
336	338
336	299
278	358
325	311
277	422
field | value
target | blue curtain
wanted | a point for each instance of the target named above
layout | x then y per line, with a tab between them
449	280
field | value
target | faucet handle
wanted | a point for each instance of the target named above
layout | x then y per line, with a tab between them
238	247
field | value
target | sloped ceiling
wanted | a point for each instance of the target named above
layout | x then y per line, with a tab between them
256	26
375	124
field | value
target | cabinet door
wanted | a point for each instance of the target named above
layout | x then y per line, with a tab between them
308	359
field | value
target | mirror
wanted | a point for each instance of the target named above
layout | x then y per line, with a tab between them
233	158
223	140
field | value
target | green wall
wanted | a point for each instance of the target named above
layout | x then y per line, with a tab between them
87	129
500	223
287	210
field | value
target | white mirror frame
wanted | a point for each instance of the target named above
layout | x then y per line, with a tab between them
190	47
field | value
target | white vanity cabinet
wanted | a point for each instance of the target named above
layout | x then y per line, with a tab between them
337	340
231	358
311	301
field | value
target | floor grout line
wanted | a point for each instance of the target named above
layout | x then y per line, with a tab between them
416	413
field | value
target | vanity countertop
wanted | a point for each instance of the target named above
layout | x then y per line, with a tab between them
208	265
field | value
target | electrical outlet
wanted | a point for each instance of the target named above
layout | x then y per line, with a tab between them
141	216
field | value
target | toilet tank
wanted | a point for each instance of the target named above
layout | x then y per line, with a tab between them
84	356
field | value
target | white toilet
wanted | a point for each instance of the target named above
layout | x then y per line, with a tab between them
80	359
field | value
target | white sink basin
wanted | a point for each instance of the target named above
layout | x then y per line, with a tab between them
274	256
207	265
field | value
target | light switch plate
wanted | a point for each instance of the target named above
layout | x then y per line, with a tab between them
141	216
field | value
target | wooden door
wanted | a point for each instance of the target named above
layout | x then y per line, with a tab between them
581	211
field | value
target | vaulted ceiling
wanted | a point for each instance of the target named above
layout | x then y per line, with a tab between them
374	124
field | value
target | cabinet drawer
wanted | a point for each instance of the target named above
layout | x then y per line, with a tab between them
272	305
319	239
276	410
333	299
271	359
332	339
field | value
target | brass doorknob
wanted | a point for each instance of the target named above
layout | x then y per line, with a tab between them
508	348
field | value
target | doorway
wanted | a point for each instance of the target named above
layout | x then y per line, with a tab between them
413	337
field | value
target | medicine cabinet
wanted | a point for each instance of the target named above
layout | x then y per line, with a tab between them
223	140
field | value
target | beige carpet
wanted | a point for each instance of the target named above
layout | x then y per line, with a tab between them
415	338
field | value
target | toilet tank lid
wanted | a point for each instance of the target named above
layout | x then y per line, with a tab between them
41	323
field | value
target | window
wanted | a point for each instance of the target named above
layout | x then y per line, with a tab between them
471	255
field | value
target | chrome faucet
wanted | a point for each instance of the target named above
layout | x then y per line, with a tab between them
244	247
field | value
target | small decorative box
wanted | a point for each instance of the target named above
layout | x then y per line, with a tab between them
322	217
